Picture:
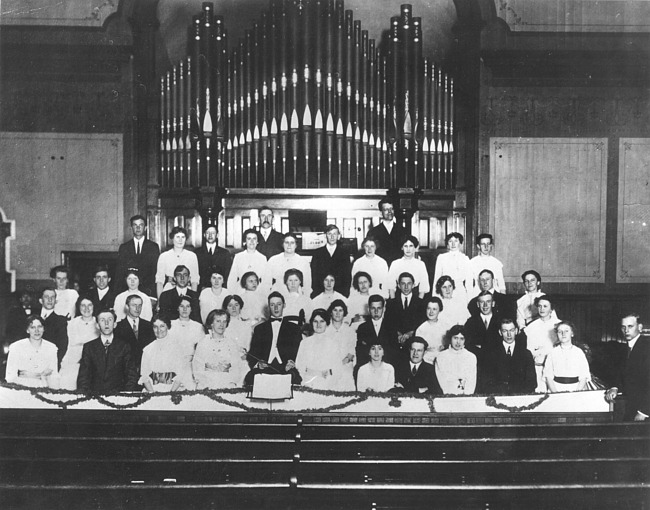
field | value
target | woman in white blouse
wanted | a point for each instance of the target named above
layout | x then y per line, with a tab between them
362	283
566	367
373	265
325	298
318	357
376	375
434	329
297	302
218	361
82	329
239	329
457	265
346	340
454	308
211	298
456	366
163	368
409	263
177	256
32	361
255	308
187	332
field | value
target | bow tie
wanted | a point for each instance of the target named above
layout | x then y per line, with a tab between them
276	319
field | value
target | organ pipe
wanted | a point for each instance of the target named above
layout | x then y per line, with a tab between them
306	99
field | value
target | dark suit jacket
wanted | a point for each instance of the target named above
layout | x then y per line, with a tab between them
425	377
503	374
322	264
409	319
16	323
106	302
503	306
635	380
220	258
124	331
387	337
146	264
56	331
272	246
169	300
289	338
389	245
478	338
102	372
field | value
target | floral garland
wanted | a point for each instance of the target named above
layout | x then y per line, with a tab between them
491	402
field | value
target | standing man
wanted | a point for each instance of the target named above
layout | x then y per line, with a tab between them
211	255
134	330
485	260
275	344
170	299
102	295
331	259
107	364
270	242
507	368
56	326
140	253
416	375
634	378
388	234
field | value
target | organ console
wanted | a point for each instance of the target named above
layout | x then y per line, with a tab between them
306	109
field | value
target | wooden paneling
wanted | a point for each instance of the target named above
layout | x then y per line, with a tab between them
65	192
548	206
633	249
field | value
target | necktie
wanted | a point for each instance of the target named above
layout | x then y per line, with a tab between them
629	350
135	329
486	322
211	251
414	370
137	248
106	344
509	351
406	303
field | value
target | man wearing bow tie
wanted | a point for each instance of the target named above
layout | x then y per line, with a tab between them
275	344
107	365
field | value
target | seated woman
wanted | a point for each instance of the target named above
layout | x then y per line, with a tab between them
409	263
455	307
163	367
362	284
256	307
374	266
211	298
133	287
32	361
376	375
566	367
325	298
434	329
218	360
82	329
318	355
239	329
297	302
346	340
456	366
187	331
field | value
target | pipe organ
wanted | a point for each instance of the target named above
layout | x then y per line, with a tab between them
306	100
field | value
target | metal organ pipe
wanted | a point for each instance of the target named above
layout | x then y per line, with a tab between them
305	100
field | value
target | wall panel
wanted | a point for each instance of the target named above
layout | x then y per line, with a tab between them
633	248
548	207
65	192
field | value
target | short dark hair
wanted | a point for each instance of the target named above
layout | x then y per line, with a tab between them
457	235
210	225
276	294
331	227
386	200
484	236
179	269
100	268
49	287
107	310
533	272
131	297
488	271
544	297
418	340
633	313
406	274
376	298
246	276
507	320
136	218
263	208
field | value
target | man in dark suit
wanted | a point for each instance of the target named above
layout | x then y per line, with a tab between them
377	330
406	310
634	377
102	295
170	299
331	259
415	375
211	255
16	316
483	329
140	253
56	326
274	345
507	368
503	306
388	234
135	331
271	242
107	365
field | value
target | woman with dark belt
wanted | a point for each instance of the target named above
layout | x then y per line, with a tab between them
163	366
566	367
